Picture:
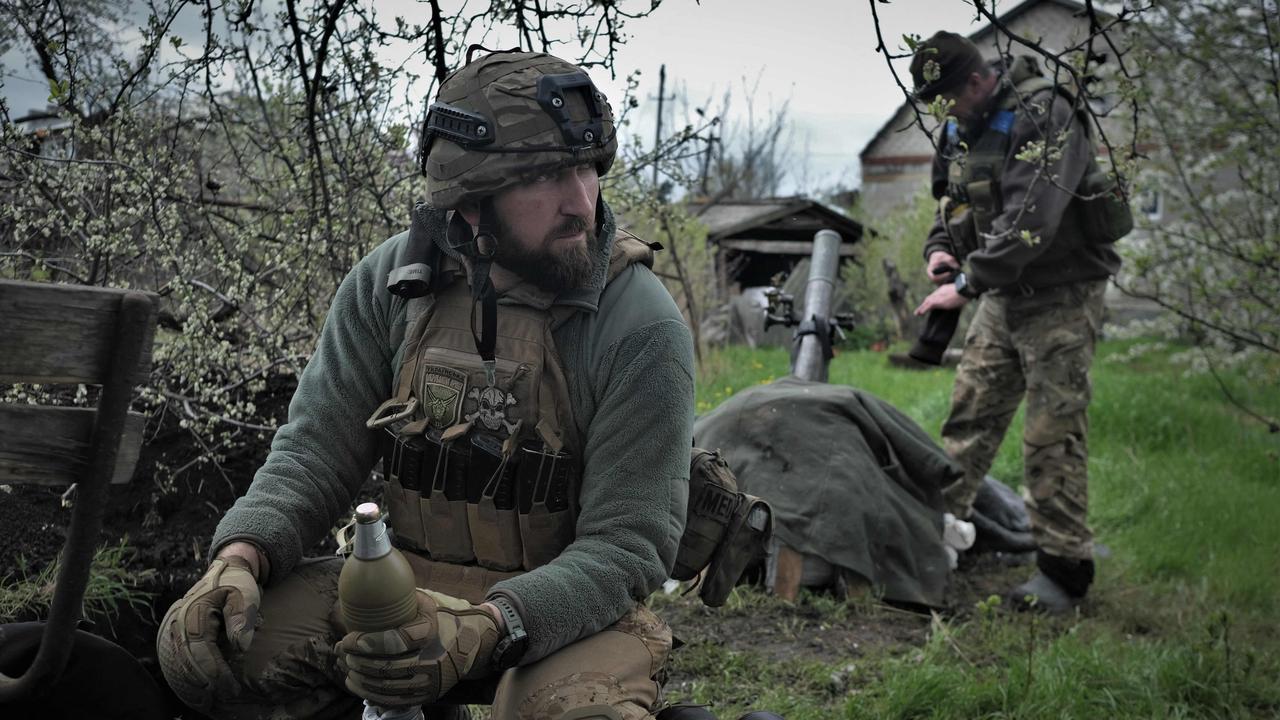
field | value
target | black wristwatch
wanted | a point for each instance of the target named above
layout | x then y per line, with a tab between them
511	647
963	287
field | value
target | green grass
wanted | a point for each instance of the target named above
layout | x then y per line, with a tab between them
1185	620
112	585
1032	667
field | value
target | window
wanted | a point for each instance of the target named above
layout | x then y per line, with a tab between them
1149	203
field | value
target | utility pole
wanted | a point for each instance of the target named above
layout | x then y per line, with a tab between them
657	135
706	162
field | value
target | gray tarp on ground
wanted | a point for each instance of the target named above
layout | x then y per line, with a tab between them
851	479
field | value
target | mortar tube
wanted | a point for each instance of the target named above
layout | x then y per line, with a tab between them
809	363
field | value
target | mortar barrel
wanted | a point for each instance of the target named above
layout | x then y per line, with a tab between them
810	362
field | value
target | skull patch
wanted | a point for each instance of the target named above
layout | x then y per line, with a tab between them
492	405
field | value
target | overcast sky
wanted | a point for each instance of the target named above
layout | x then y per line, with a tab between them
819	54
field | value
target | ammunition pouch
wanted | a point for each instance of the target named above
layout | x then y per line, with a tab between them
476	499
491	505
725	530
962	232
402	462
985	205
445	524
543	481
1105	211
482	461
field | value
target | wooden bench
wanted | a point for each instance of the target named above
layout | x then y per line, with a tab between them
70	334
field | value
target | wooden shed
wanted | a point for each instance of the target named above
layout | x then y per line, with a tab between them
757	239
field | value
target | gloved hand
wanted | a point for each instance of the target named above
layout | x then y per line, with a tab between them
448	640
223	602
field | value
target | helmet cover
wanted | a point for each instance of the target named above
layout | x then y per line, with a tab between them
507	118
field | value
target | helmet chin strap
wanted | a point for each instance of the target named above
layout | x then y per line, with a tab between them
484	246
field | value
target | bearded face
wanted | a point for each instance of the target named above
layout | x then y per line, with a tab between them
553	264
547	230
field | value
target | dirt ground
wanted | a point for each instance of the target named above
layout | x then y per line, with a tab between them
780	631
169	532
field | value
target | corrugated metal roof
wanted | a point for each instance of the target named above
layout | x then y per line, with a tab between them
724	215
731	217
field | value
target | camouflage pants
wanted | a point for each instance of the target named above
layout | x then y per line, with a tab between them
1040	346
290	669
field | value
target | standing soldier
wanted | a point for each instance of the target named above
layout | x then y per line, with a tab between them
534	405
1014	233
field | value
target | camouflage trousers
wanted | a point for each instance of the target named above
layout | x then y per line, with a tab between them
1040	346
289	671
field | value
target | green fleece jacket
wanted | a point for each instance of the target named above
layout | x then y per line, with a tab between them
628	361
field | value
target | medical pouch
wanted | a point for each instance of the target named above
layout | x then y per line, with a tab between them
744	543
713	500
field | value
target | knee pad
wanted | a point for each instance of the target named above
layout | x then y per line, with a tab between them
592	712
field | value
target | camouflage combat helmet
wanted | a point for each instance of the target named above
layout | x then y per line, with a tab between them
508	117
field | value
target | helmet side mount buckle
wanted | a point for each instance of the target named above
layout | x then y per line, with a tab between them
553	91
468	129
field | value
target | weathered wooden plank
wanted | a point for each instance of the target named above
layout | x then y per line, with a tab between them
856	587
790	568
41	445
782	247
61	333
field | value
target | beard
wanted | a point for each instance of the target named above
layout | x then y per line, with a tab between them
552	270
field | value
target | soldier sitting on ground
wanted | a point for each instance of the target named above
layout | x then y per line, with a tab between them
535	408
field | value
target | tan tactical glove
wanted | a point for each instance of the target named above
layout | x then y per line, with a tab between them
224	602
449	640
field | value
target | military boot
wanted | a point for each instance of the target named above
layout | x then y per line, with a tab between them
1057	587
